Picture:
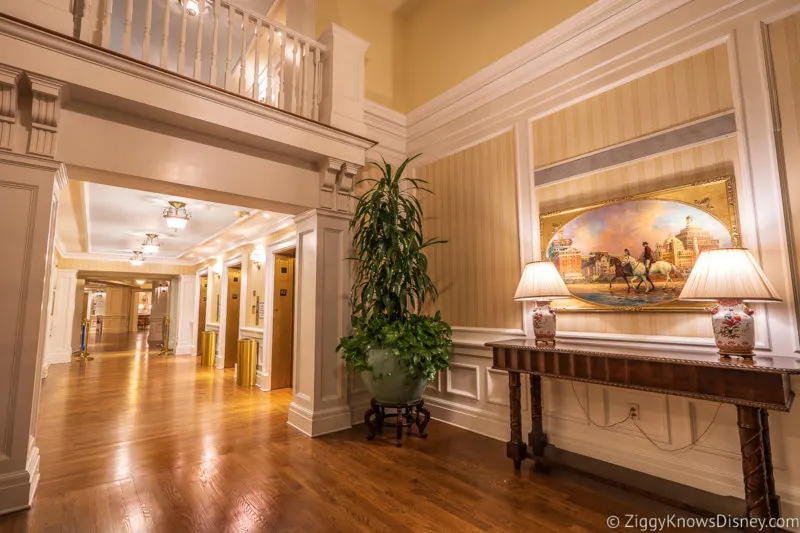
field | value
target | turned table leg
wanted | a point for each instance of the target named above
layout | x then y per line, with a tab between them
516	449
759	483
537	439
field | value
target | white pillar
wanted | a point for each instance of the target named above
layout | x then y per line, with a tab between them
322	281
28	204
342	103
186	319
59	340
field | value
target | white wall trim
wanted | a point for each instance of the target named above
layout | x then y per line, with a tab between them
122	258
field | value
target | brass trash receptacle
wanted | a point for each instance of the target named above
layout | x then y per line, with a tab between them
246	362
208	348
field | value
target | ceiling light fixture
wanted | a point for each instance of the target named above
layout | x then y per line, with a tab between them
176	215
151	244
137	259
140	282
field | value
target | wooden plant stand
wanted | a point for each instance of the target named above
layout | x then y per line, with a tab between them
406	415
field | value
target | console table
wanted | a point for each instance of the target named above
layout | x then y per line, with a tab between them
753	386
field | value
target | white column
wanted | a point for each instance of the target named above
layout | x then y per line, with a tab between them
59	340
342	103
186	316
322	281
28	204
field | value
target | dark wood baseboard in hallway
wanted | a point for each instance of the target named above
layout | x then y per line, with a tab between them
141	442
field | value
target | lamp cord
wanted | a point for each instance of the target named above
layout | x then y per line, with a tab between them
636	425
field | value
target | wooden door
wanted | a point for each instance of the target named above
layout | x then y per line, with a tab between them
201	317
232	315
283	322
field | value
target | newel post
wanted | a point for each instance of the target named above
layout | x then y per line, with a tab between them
342	103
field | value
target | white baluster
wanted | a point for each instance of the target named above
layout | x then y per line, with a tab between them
182	43
242	58
302	88
295	71
257	63
106	38
214	38
165	37
270	38
126	36
282	78
148	19
230	48
198	45
316	84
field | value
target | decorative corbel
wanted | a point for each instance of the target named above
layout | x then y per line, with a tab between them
45	112
9	80
345	182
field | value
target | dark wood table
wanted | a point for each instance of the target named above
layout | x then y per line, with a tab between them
754	387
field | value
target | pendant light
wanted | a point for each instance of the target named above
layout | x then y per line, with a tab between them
176	215
137	259
151	244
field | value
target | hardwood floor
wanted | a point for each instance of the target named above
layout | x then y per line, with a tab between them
135	441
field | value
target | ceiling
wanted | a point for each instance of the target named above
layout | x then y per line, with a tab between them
114	221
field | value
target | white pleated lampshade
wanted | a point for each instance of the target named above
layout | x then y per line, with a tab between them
541	281
729	273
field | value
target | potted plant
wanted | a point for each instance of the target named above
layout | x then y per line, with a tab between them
395	346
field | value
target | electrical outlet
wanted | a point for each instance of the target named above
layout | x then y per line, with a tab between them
633	410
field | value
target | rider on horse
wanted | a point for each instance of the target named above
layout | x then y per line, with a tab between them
647	257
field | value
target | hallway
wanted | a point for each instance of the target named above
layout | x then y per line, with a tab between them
136	441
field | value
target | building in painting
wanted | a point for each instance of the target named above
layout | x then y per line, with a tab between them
683	249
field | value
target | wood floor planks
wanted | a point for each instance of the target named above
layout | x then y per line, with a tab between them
138	442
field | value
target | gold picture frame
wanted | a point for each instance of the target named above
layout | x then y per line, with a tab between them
715	197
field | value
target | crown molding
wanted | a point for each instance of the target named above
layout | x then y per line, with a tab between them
591	28
389	128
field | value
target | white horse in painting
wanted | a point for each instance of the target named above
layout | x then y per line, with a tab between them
664	268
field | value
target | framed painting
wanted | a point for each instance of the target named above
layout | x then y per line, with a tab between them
635	253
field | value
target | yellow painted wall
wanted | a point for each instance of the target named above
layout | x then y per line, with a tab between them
447	41
375	23
427	46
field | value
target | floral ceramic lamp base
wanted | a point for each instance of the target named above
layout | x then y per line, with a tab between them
544	323
734	329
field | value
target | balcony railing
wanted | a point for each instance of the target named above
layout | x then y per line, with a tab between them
220	44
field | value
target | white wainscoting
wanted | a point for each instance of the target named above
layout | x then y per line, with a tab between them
474	396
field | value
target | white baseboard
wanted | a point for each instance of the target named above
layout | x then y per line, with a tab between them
17	488
59	356
45	370
262	380
184	349
219	362
469	418
321	422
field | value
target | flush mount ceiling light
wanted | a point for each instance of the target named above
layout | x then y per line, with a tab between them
176	215
140	282
137	259
151	244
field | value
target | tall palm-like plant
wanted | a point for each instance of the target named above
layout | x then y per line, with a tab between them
391	282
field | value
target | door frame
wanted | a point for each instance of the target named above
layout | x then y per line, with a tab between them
236	260
203	272
263	381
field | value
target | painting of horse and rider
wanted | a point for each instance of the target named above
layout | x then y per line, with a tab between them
636	253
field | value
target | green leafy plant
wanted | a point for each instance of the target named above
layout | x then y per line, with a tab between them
391	282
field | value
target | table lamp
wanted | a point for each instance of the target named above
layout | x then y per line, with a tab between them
730	276
541	283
